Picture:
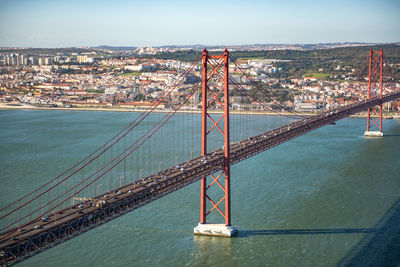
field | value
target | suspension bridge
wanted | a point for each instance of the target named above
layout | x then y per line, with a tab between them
141	164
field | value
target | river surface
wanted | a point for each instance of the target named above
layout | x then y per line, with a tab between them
317	200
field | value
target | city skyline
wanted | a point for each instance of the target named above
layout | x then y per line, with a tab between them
46	23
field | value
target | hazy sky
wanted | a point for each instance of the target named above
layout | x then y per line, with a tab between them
63	23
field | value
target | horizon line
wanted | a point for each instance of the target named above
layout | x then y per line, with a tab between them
201	45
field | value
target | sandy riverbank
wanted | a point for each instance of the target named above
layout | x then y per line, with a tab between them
113	109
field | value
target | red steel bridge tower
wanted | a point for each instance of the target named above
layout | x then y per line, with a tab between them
375	89
398	108
215	95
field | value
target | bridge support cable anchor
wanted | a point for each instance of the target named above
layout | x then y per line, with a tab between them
375	83
213	66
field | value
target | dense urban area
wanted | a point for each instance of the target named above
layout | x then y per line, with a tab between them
301	78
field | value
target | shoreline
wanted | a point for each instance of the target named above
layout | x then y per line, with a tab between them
22	106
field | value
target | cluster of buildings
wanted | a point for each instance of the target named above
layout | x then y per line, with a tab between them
127	82
23	59
326	95
12	59
137	83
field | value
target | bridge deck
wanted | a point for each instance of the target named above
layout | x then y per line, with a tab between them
42	233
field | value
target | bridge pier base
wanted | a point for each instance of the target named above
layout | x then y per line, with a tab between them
373	134
215	230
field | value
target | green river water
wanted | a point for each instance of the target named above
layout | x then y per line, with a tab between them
327	198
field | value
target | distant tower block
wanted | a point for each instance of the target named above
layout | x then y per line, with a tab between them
218	72
375	87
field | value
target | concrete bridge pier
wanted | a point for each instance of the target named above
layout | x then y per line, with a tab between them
215	229
373	134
